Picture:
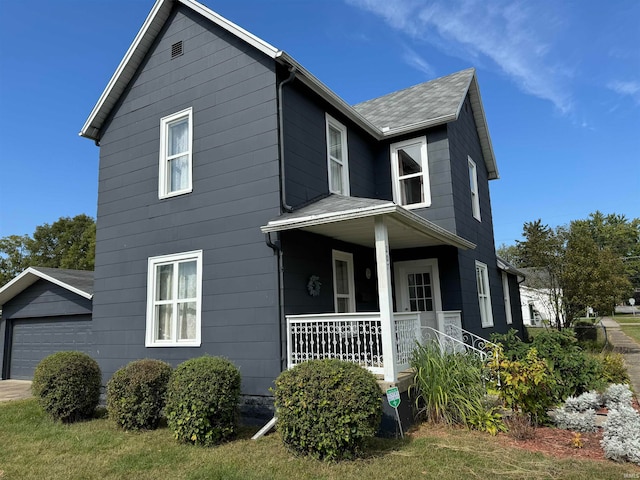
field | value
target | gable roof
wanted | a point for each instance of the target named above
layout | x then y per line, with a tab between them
429	104
79	282
409	114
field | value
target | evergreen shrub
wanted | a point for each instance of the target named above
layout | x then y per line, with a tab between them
136	394
327	408
67	385
202	400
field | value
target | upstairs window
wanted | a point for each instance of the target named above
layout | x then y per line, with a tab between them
337	157
473	185
484	295
174	300
176	154
410	172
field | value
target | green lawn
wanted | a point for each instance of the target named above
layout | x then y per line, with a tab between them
34	447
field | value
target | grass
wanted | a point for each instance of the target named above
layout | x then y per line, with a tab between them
34	447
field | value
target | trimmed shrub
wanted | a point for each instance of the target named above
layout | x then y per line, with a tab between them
136	394
67	385
327	408
202	400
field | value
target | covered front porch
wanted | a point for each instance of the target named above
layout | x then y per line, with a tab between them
381	340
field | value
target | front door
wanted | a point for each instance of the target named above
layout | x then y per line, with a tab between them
418	289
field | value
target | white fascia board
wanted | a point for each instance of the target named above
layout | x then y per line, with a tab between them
28	278
75	290
329	95
432	122
483	129
413	220
330	217
161	6
142	42
232	28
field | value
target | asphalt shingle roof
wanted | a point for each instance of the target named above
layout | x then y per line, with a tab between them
80	279
424	102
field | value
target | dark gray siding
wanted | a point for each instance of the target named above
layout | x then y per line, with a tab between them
232	91
464	143
45	299
42	319
306	149
307	254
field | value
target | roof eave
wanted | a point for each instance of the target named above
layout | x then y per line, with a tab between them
28	278
141	45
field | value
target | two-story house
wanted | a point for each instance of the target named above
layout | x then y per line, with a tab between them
246	210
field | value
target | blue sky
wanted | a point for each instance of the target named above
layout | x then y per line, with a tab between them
560	83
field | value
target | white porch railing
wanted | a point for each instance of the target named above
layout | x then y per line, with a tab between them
353	337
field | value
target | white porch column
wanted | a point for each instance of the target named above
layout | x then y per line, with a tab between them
383	265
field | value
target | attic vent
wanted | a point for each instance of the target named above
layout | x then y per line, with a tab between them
176	49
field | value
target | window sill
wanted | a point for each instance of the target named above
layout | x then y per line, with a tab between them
175	194
195	343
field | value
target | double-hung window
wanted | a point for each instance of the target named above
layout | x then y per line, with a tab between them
410	172
507	298
343	282
176	164
174	292
484	295
473	186
337	157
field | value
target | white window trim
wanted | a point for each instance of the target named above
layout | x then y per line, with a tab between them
345	257
395	173
473	184
484	299
507	298
150	341
330	121
163	188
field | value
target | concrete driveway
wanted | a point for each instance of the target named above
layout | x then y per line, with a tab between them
14	390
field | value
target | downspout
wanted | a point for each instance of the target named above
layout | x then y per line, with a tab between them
283	193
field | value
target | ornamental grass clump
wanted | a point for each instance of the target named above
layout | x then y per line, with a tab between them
327	409
448	387
202	400
136	394
67	385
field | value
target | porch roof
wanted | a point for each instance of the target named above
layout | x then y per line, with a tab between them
351	219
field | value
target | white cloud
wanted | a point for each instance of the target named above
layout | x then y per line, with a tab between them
515	35
417	62
631	89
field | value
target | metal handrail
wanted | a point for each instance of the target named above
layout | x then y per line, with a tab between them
442	338
471	339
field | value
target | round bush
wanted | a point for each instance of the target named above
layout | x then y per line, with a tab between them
67	385
202	400
136	394
327	408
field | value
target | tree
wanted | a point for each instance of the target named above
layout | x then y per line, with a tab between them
594	274
589	263
14	256
542	251
66	243
508	253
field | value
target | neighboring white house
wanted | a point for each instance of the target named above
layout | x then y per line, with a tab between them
536	301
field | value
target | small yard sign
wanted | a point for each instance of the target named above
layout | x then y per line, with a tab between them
393	396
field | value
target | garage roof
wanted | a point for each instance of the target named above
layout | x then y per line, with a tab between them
76	281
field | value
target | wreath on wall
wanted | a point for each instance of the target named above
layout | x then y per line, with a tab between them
313	285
